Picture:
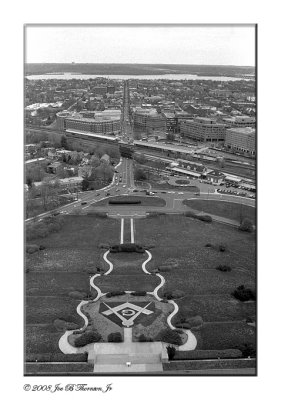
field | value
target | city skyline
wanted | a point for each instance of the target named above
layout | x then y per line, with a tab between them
176	44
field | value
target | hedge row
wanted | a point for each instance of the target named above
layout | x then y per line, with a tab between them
127	247
115	293
202	217
56	357
207	354
139	293
112	201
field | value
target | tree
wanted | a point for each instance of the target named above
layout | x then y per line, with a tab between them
171	352
246	225
63	142
85	184
29	181
170	137
140	175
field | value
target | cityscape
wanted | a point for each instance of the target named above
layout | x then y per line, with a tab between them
140	219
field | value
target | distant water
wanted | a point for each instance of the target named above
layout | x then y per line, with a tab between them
176	77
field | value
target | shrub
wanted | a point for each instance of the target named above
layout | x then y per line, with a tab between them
190	214
170	336
222	248
114	337
223	268
175	294
164	268
189	323
246	225
248	350
86	338
115	293
77	295
62	325
171	352
143	338
104	246
204	218
244	294
32	248
139	293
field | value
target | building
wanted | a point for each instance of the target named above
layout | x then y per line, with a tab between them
215	177
104	122
149	119
240	121
105	158
241	139
53	168
203	130
99	90
171	121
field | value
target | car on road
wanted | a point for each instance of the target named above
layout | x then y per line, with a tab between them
180	193
107	194
135	190
117	190
124	186
116	172
83	203
97	194
163	192
56	213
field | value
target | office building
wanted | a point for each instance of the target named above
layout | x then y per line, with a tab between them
241	139
203	130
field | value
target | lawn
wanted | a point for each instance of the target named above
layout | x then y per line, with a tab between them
127	274
224	209
180	243
64	266
150	201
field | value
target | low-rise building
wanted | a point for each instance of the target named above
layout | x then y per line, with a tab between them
241	139
240	121
215	177
203	129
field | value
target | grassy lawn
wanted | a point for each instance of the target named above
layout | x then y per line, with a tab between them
70	256
127	274
180	242
54	369
145	201
223	209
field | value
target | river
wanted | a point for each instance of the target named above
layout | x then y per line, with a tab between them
176	77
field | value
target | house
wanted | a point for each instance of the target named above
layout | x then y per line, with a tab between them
105	158
52	168
215	177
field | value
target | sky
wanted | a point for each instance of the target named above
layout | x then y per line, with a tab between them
209	45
